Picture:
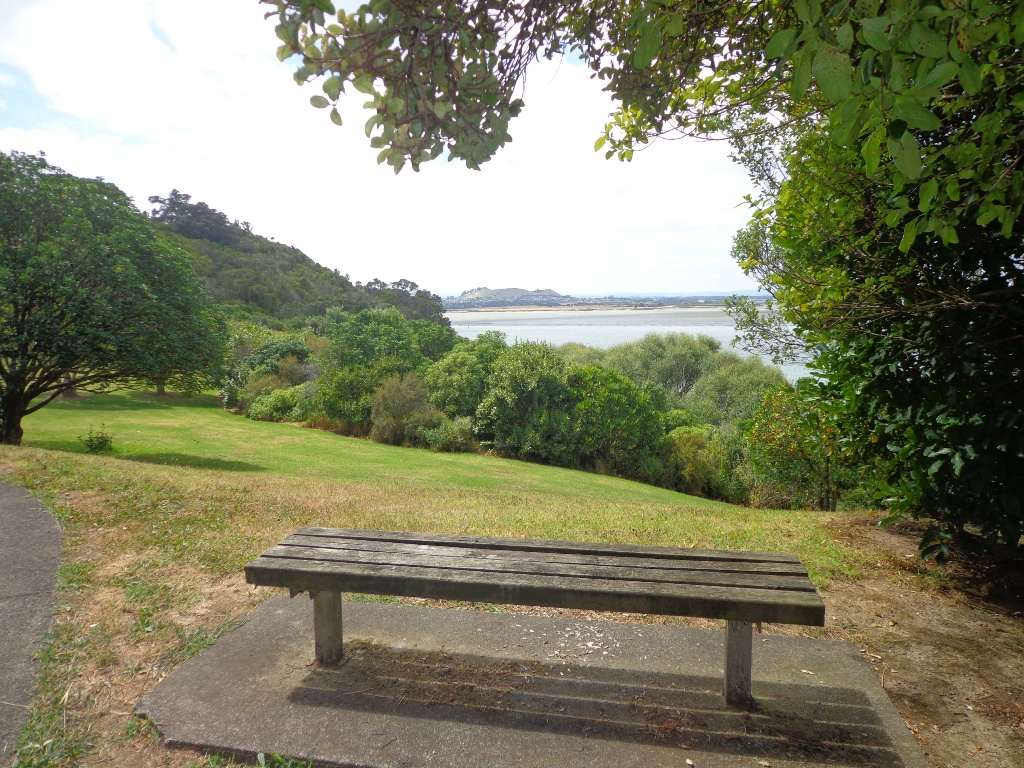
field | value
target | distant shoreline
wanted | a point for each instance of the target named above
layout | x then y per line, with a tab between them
581	308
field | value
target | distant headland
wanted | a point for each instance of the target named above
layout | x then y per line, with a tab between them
520	298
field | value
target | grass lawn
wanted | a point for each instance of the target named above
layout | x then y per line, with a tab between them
156	534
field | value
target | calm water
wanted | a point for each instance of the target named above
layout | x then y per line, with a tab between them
603	327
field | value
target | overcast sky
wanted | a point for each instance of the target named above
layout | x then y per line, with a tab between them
188	94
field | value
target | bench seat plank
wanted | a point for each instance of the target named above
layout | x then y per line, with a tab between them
546	545
674	599
637	561
467	562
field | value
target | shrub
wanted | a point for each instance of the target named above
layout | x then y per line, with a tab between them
421	422
686	460
400	408
344	399
97	442
678	417
451	436
291	404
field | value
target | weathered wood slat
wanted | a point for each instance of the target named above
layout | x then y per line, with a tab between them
637	561
707	601
545	545
425	559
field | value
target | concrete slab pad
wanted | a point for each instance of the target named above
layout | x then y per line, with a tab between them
465	689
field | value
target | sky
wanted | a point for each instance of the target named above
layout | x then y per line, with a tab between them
155	95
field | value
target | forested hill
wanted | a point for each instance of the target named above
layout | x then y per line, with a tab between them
249	275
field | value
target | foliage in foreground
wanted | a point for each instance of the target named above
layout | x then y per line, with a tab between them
887	139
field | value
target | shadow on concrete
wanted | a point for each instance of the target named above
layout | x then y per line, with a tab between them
793	722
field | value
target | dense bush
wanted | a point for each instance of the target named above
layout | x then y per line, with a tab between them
291	404
458	381
526	411
451	436
400	410
614	425
799	455
537	408
688	467
732	391
344	398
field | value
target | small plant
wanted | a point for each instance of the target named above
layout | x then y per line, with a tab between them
98	441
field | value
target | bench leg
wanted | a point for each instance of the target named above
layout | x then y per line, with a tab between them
738	654
327	628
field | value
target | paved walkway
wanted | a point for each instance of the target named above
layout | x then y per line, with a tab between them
30	547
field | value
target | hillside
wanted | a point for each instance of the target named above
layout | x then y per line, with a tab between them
503	297
251	276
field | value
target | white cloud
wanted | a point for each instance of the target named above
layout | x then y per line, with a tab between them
154	95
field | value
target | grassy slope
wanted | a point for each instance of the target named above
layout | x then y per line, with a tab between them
192	479
156	535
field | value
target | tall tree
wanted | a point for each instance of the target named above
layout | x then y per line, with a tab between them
90	296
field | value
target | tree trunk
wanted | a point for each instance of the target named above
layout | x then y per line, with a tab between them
11	411
160	389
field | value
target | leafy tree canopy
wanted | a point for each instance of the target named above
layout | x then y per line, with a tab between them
90	295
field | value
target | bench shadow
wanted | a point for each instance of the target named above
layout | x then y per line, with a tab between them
794	722
189	460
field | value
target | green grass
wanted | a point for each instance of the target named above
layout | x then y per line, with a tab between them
158	529
193	481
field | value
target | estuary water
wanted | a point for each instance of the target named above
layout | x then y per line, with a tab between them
603	327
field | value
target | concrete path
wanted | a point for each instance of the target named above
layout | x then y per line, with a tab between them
30	547
468	689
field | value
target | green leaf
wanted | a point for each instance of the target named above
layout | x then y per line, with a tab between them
907	155
676	25
844	36
319	101
916	114
364	84
876	33
332	87
832	72
650	44
927	195
926	41
896	129
970	77
335	116
867	66
801	74
909	234
938	77
779	43
871	151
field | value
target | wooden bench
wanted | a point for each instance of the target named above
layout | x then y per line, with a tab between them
740	587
